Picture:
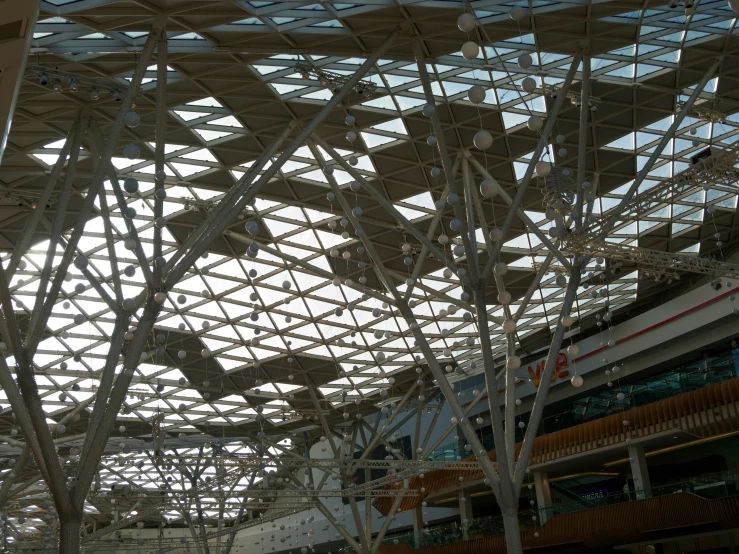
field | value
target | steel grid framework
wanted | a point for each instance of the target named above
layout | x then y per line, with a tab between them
103	301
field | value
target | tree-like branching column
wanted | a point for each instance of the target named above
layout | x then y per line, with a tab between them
506	478
160	276
475	265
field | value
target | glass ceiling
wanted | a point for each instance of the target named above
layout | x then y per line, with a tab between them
236	306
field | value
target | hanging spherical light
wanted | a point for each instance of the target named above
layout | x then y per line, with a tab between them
525	61
476	94
131	151
489	188
131	185
513	363
470	50
567	320
252	227
535	123
349	120
496	235
131	119
576	381
573	350
483	140
528	85
500	268
543	169
466	22
504	297
509	326
517	13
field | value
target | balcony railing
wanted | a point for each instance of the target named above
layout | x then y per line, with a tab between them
682	379
715	485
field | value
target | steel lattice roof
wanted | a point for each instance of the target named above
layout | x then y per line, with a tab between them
232	87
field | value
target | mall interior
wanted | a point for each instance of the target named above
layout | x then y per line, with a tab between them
370	276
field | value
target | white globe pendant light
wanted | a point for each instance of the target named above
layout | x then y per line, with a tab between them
543	168
528	85
535	123
476	94
489	188
131	151
517	13
496	235
483	140
470	50
525	61
466	22
132	119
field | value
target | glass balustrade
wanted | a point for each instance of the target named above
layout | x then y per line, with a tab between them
682	379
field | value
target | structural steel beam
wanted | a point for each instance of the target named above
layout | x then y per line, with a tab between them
541	145
657	151
218	221
17	21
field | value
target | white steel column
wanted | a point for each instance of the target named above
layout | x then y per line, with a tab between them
465	512
543	495
417	514
640	472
